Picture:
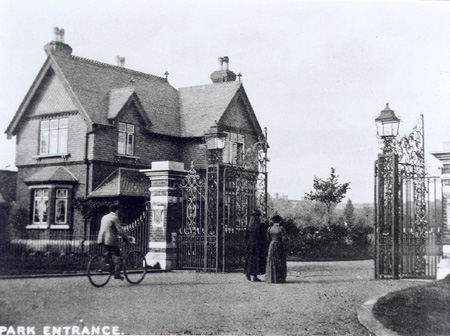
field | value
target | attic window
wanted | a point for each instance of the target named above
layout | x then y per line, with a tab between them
126	139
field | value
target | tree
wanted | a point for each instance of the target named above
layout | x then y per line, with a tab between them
328	192
349	212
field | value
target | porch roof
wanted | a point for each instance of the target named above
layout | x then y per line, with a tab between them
123	182
52	174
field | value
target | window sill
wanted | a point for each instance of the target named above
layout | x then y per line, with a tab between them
49	156
45	226
124	156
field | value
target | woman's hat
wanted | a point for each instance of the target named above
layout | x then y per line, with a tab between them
276	219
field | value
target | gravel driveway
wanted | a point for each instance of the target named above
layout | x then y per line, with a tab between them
320	298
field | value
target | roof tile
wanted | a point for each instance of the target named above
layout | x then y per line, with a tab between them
202	105
52	174
92	82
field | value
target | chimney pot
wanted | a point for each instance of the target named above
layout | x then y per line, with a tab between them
56	33
220	63
226	60
120	61
57	46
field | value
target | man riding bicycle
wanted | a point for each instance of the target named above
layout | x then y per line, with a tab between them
110	230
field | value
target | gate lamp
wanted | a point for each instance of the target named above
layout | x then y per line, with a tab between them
387	123
215	139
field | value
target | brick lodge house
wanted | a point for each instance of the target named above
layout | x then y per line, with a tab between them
88	130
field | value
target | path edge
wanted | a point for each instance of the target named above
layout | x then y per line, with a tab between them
368	320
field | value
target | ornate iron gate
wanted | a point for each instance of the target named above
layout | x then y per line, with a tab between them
245	189
140	230
421	230
408	212
216	208
191	235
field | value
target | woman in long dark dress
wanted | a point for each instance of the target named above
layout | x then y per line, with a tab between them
276	269
255	252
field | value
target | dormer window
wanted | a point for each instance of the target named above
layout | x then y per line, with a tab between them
53	136
126	139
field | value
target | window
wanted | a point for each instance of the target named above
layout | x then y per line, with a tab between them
61	206
40	206
53	136
126	139
234	147
51	207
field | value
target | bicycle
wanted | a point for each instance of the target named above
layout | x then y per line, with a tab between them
100	268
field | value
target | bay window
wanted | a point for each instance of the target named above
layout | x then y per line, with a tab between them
40	206
51	207
61	206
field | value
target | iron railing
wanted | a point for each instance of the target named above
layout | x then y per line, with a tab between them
50	251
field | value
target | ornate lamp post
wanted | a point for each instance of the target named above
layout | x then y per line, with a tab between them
215	142
387	216
387	128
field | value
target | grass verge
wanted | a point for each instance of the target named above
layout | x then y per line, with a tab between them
423	310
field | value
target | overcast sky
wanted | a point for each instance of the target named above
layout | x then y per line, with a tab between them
317	73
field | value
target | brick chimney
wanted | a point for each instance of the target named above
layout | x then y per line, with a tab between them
223	74
57	46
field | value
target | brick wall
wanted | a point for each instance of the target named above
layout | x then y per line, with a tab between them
27	140
194	151
236	119
148	147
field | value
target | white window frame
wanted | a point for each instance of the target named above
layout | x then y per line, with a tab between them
50	195
41	201
61	197
126	139
53	136
234	145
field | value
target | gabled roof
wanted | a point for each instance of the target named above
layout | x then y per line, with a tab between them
120	99
90	84
202	105
100	91
117	100
93	81
123	182
52	174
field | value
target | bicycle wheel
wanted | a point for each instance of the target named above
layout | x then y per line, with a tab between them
98	271
135	267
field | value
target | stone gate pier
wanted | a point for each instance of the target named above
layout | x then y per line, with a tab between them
164	215
444	157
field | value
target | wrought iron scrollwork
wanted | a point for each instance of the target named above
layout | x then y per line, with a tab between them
411	152
254	160
416	230
192	187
